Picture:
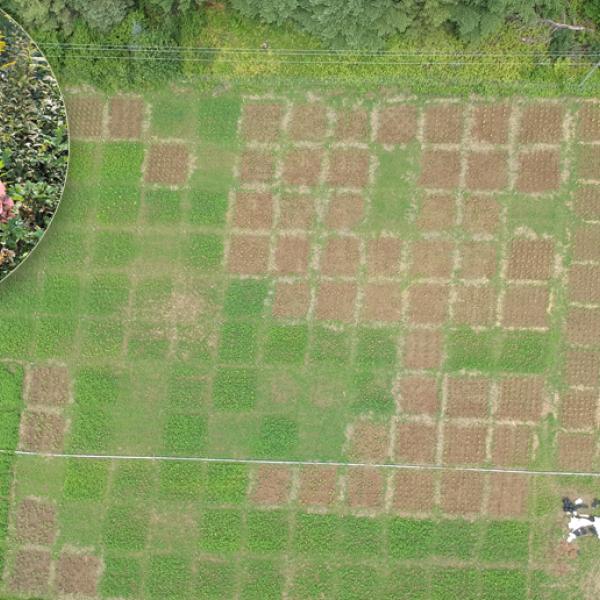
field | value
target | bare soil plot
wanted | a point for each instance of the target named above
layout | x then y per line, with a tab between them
586	243
586	202
352	125
291	254
589	162
487	170
369	441
261	122
31	571
464	444
340	256
417	394
78	574
365	487
345	211
583	326
291	299
443	123
42	432
490	123
440	169
318	485
415	443
308	122
461	492
582	367
257	166
272	485
475	305
383	256
397	124
302	166
575	451
382	302
481	214
538	171
253	210
336	301
125	117
525	306
589	123
296	211
511	445
541	123
47	386
348	167
437	213
584	284
521	398
423	349
167	163
509	494
248	254
478	260
578	409
428	303
413	491
432	258
530	259
85	116
467	397
36	522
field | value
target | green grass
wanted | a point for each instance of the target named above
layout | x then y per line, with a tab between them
163	206
86	479
376	347
330	346
180	480
278	437
286	344
238	342
217	119
245	298
226	484
122	576
126	528
169	577
267	531
506	541
106	294
208	208
220	531
214	580
121	163
185	434
234	389
204	251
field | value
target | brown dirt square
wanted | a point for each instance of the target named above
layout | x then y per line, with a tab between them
578	409
582	367
296	211
461	492
525	306
318	485
383	256
36	522
291	254
432	258
475	305
415	443
584	283
589	123
438	212
308	122
468	397
440	169
365	487
291	300
541	123
479	260
511	445
335	301
443	123
589	162
47	386
369	441
521	398
272	485
340	256
253	210
168	163
576	451
428	303
397	124
352	125
490	123
85	116
125	116
530	259
583	326
302	166
586	243
31	572
417	395
464	444
345	211
42	432
487	170
77	574
348	167
413	491
382	302
509	493
586	202
423	349
261	122
248	254
539	171
257	166
481	214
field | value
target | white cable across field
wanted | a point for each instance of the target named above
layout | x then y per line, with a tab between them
298	463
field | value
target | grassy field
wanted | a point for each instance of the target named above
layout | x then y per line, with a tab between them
307	276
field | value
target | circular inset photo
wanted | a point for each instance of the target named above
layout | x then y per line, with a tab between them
34	147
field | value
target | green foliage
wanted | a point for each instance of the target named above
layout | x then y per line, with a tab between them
102	14
226	483
221	531
101	339
403	534
217	119
278	437
121	163
91	431
106	294
286	344
330	346
204	251
245	298
315	580
358	582
126	527
506	541
234	389
267	531
60	293
376	347
117	203
372	392
262	580
186	394
122	576
134	479
54	337
361	537
316	534
180	480
208	208
238	342
214	580
524	352
185	434
408	582
504	584
169	577
116	249
11	383
85	479
455	583
97	386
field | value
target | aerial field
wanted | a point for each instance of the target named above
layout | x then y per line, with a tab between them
367	304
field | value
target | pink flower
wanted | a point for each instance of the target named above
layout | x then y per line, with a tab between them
6	205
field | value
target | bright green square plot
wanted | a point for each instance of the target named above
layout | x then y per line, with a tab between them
455	539
117	203
55	337
234	389
208	208
86	479
361	536
504	584
316	534
330	346
371	391
134	480
238	342
126	527
226	483
376	347
217	119
82	158
181	480
214	580
204	251
524	352
115	249
358	582
245	298
90	429
16	337
506	541
61	294
169	577
122	576
11	384
261	580
220	531
267	531
100	386
106	294
185	434
286	344
455	583
121	163
277	438
313	581
162	206
403	536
